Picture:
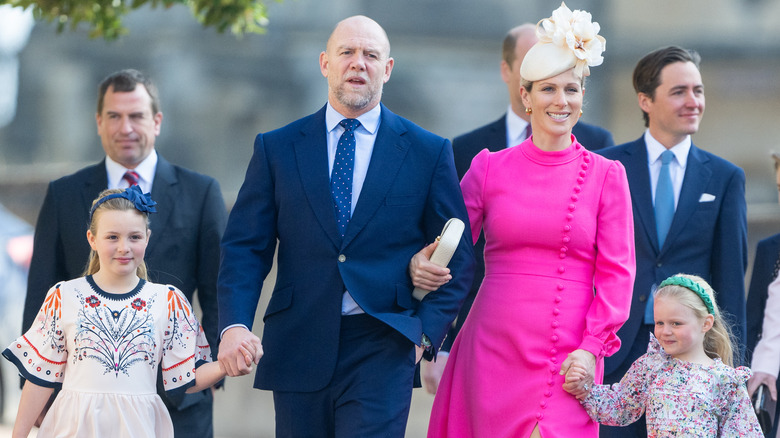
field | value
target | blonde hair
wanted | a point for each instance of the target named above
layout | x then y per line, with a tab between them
718	341
113	204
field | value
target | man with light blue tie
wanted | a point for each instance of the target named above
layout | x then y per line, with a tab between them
348	195
689	207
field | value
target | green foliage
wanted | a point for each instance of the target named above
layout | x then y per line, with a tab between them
105	16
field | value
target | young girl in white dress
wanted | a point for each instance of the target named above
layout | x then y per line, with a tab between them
101	337
685	384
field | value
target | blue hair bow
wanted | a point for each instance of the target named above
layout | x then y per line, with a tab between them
141	201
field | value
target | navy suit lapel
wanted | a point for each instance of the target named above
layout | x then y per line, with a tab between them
496	140
638	174
165	191
697	175
311	154
390	148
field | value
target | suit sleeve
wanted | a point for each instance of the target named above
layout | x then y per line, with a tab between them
248	244
212	224
47	265
615	266
729	258
445	200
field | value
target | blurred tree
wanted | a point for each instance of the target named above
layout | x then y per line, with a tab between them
105	16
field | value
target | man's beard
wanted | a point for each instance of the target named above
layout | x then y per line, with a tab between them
356	100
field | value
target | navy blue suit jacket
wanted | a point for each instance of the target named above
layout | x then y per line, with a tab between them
493	137
411	190
706	238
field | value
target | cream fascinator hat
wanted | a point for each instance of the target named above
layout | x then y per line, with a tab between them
566	40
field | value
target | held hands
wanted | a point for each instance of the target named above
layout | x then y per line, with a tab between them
759	378
431	372
238	351
425	274
579	369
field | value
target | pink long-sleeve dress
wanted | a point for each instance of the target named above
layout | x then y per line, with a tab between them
559	270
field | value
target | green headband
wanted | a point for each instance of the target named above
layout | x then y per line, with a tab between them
693	287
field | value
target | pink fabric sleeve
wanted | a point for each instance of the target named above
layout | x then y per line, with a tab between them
615	266
472	185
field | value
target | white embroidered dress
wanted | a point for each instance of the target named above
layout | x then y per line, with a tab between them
103	350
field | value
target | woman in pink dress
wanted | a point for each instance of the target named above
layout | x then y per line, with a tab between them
559	259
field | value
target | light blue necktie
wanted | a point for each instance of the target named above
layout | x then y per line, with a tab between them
341	175
664	213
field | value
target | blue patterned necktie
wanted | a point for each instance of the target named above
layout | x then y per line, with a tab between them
664	198
341	175
664	213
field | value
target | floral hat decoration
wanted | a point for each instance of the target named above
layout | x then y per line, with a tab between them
568	39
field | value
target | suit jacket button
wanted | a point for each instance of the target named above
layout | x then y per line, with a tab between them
643	298
342	258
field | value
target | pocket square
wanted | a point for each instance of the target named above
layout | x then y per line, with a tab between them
706	197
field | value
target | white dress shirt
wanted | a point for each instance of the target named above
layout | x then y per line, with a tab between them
145	170
515	128
676	167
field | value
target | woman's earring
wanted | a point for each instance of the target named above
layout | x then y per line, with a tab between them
580	113
528	111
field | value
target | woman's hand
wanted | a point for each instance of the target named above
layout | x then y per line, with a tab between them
426	275
579	368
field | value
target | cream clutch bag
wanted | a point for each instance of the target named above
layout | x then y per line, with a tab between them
448	243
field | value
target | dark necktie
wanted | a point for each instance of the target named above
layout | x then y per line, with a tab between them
341	176
527	132
131	177
664	213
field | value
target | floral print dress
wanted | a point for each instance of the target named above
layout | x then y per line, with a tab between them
679	398
103	351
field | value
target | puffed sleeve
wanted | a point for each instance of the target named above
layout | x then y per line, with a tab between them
184	343
41	353
737	417
472	185
615	265
624	402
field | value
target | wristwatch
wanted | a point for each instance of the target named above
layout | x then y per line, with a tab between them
426	342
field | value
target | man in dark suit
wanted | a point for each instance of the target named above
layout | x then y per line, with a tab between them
186	231
765	268
707	232
509	130
342	331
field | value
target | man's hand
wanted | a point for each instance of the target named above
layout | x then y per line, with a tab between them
427	275
759	378
238	351
432	372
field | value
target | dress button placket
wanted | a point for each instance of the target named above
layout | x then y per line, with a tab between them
563	253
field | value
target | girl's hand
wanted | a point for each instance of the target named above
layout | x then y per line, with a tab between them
579	362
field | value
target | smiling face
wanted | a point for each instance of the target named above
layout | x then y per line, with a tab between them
555	105
679	330
357	64
119	238
677	106
127	127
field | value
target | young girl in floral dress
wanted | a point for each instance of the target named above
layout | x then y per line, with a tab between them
101	337
685	384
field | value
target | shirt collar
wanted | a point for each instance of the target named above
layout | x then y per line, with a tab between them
145	170
655	149
515	125
368	120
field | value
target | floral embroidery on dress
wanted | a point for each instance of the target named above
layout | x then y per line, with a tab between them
116	338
